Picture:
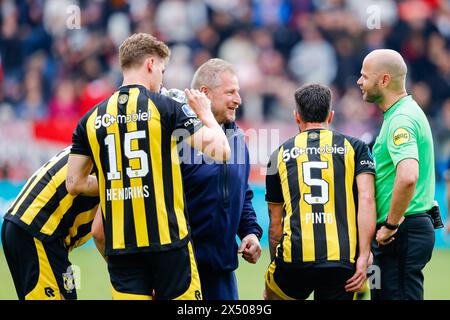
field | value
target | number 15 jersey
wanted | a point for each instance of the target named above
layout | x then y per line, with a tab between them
131	140
314	176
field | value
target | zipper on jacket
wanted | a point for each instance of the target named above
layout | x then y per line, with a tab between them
225	183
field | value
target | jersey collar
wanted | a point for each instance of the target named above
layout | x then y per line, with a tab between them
396	104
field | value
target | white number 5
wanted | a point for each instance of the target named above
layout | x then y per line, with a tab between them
307	166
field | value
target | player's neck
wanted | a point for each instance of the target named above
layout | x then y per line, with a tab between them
135	78
312	125
390	99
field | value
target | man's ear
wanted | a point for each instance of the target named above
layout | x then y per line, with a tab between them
385	80
297	117
205	90
149	62
330	117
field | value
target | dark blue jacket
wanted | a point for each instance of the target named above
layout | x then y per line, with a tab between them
219	202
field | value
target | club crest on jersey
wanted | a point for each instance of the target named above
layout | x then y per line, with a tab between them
401	136
69	282
123	98
188	111
313	135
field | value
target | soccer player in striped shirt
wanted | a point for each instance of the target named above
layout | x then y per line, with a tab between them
41	227
320	194
129	137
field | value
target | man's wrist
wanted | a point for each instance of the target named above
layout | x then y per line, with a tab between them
390	226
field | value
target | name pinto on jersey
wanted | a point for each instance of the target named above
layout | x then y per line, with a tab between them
319	217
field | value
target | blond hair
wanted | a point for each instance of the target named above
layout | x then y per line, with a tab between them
208	73
138	47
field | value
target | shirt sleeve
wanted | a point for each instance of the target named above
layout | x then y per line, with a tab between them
363	158
182	119
274	193
402	139
80	142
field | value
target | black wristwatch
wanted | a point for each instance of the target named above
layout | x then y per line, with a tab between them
390	226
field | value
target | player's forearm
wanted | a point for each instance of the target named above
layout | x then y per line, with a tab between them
79	180
212	142
217	142
91	189
275	227
79	185
366	224
403	191
366	212
275	233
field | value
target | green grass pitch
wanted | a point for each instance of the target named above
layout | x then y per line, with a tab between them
95	280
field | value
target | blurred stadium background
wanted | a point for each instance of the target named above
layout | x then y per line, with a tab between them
58	58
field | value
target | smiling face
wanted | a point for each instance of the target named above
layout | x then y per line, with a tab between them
369	83
225	98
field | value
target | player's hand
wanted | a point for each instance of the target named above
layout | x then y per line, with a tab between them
356	282
250	248
447	228
385	236
199	102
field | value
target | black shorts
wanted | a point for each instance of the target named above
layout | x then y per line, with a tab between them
40	270
162	275
401	262
292	282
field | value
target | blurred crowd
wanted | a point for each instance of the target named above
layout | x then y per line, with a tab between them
59	57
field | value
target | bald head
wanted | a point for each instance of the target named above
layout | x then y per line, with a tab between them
387	61
383	77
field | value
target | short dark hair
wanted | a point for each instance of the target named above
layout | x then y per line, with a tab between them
313	102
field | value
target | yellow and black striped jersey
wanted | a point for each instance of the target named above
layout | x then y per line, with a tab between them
131	137
314	175
47	211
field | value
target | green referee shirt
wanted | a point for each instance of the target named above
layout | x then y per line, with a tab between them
405	134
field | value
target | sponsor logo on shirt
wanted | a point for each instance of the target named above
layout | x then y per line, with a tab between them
296	152
108	119
192	121
188	111
368	163
401	136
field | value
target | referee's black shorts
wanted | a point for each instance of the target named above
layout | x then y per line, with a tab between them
297	282
401	262
40	270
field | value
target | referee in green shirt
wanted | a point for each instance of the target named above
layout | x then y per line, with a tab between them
405	181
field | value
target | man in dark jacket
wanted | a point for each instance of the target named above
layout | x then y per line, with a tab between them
217	194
